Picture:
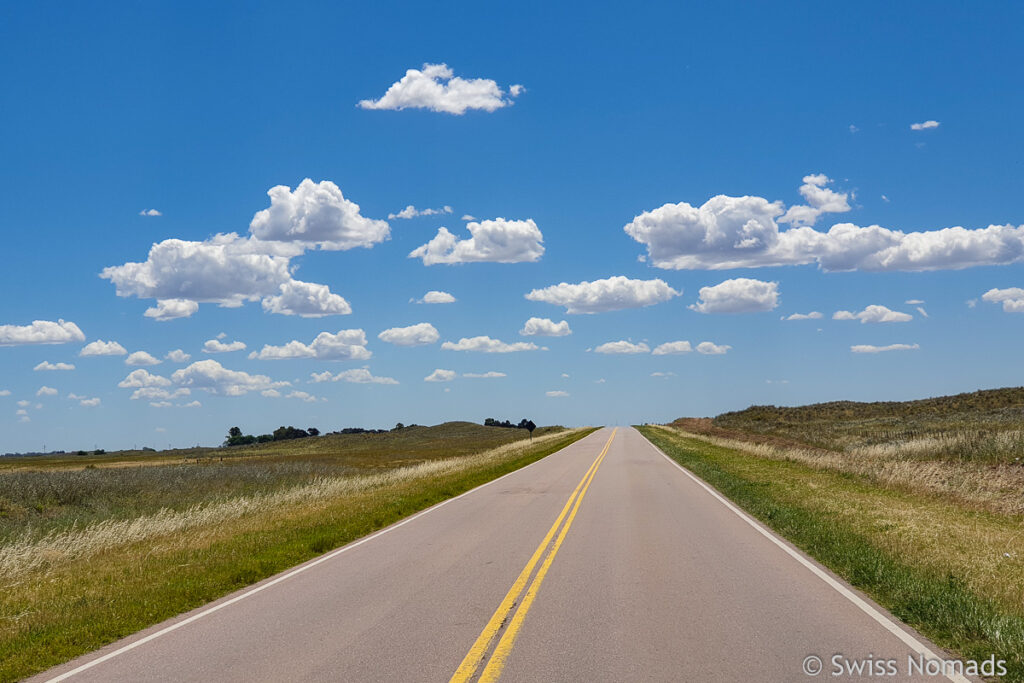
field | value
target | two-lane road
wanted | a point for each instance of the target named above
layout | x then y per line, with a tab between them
602	562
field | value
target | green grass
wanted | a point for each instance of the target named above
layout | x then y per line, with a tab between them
68	608
937	566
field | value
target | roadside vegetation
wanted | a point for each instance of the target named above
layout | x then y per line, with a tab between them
919	504
94	552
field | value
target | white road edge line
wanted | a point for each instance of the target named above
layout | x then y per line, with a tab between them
885	621
299	570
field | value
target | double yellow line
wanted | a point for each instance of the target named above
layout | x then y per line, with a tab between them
478	653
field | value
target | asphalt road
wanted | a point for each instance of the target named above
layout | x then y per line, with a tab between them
602	562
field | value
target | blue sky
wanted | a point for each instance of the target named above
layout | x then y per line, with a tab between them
599	166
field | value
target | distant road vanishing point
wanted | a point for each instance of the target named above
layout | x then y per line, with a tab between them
605	561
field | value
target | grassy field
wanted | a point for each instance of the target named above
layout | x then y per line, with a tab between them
919	503
93	551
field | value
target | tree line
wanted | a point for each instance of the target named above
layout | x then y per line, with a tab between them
236	438
523	424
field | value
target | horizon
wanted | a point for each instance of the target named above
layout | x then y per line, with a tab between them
457	213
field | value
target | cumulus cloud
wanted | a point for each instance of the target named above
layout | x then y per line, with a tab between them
302	396
820	199
138	379
40	332
141	358
46	391
544	327
47	365
89	402
1011	298
152	393
171	309
868	348
622	347
742	232
178	356
316	214
813	315
914	302
5	392
496	241
343	345
556	394
484	375
436	297
874	314
412	212
217	346
150	212
924	125
413	335
440	375
362	376
739	295
437	88
672	348
610	294
214	378
485	344
103	348
712	349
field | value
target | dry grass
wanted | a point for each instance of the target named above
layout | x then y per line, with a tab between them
28	552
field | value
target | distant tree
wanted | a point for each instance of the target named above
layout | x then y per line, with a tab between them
234	432
490	422
264	438
289	432
398	426
99	451
313	431
529	426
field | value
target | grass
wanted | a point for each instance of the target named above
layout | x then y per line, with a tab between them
954	572
79	586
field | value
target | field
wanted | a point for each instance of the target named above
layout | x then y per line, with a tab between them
920	504
93	548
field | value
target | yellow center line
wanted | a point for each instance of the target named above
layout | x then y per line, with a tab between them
475	657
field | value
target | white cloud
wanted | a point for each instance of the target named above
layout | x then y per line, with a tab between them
468	217
40	332
273	393
21	411
874	314
622	347
599	381
5	392
556	394
362	376
610	294
413	335
412	212
868	348
813	315
151	393
1011	298
436	88
161	404
178	356
436	297
924	313
739	295
440	375
24	404
672	348
138	379
150	212
217	346
343	345
171	309
302	395
971	303
565	375
495	241
46	391
853	129
216	379
484	375
914	302
485	344
925	125
103	348
820	199
89	402
544	327
47	365
741	232
316	214
318	377
663	374
141	358
226	270
712	349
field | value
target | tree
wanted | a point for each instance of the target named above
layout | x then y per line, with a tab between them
234	431
398	426
313	431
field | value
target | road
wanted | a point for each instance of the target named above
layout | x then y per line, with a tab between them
602	562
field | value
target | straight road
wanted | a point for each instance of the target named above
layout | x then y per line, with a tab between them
602	562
